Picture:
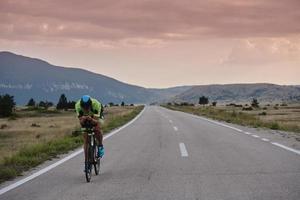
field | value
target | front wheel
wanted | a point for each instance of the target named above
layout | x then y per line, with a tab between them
90	158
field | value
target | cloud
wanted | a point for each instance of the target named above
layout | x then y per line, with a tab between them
260	51
114	22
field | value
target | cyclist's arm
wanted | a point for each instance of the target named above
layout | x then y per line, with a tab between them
96	105
79	113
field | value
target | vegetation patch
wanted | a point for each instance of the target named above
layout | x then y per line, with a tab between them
245	117
34	154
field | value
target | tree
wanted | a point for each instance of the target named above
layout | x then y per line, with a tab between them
31	102
255	103
62	102
214	103
122	104
203	100
7	104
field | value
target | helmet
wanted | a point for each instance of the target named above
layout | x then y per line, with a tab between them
85	101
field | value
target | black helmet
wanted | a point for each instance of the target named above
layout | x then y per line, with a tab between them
86	101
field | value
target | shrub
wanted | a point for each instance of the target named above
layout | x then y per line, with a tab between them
255	103
203	100
31	102
274	126
262	113
247	108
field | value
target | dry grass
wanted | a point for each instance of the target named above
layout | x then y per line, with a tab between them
19	133
29	141
286	118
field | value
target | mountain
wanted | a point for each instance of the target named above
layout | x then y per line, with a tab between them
26	78
240	93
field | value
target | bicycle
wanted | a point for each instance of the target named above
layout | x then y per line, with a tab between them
92	154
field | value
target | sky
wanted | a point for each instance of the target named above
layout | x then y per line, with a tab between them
160	43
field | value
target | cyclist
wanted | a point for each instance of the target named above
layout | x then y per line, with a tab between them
89	112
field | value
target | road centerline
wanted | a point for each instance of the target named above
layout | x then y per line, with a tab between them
183	150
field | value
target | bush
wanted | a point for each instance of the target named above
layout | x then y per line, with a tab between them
184	104
203	100
255	103
274	126
247	108
262	113
31	102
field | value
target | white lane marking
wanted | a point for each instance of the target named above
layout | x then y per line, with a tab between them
236	129
247	133
286	148
256	136
171	121
265	139
175	128
48	168
183	150
218	123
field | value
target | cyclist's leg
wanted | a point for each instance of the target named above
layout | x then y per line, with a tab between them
99	137
98	134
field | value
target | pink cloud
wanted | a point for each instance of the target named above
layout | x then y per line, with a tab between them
165	20
260	51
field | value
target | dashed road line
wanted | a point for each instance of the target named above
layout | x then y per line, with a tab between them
286	148
183	150
171	121
265	139
245	132
175	128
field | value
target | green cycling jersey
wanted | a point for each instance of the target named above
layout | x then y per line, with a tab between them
96	109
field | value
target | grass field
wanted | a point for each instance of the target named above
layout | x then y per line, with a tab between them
34	136
286	118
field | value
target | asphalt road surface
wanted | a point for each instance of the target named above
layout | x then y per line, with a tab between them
166	154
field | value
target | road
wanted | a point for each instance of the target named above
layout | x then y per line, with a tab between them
166	154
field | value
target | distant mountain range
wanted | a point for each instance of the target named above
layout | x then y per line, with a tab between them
241	93
26	78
